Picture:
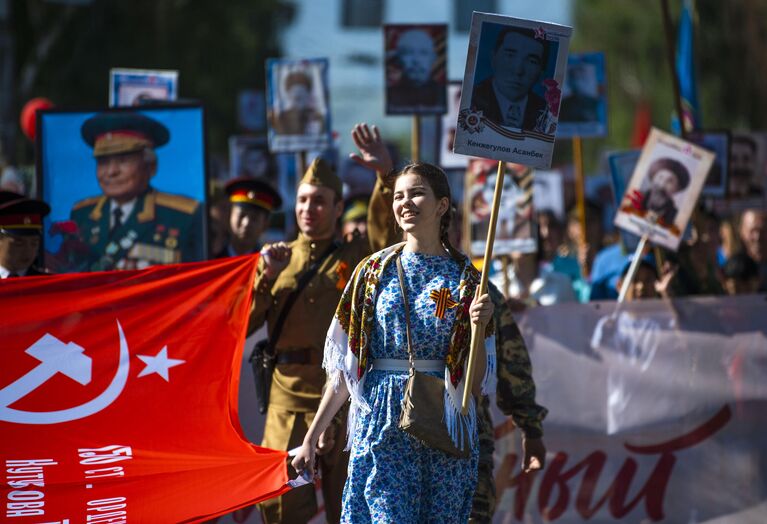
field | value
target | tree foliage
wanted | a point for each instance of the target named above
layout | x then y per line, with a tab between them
731	55
65	51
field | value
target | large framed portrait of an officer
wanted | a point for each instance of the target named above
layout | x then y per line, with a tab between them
127	187
415	68
512	87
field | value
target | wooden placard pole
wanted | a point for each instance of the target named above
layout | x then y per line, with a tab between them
478	338
415	139
580	193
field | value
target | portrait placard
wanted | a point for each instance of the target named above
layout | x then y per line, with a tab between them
448	123
511	89
415	68
251	110
583	112
664	189
137	87
748	166
718	142
127	187
249	156
514	232
549	192
298	105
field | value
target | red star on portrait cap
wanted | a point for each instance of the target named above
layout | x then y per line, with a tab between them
540	33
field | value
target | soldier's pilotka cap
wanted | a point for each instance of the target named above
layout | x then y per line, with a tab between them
20	215
355	209
321	174
117	132
247	191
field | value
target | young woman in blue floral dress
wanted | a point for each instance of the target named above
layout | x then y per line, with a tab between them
394	477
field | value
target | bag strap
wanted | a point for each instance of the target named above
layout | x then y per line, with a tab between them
302	283
401	276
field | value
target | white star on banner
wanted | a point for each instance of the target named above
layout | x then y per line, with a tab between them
159	364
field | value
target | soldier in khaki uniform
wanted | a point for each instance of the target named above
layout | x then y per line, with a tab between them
298	377
516	398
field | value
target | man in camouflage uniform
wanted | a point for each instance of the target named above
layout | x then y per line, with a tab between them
516	398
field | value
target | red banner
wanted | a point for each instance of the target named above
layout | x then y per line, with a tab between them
118	397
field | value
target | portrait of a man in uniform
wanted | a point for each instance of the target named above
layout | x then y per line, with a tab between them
128	223
298	105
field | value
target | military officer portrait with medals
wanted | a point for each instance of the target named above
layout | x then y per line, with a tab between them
132	225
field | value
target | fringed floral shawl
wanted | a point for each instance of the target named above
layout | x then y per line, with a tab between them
347	350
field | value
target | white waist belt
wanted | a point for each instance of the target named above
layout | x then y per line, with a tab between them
399	364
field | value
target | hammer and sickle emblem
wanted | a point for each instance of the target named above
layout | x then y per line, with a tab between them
55	357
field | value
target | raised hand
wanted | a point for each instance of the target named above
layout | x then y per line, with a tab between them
373	153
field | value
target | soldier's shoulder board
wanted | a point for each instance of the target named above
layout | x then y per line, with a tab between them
177	202
87	202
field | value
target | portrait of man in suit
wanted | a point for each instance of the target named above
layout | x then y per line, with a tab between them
131	225
582	104
506	97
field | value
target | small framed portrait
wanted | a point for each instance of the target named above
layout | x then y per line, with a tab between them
549	192
126	186
415	69
298	105
515	232
249	156
137	87
583	112
251	110
664	189
718	142
448	125
512	88
748	166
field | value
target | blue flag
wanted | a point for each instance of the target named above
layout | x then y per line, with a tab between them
685	69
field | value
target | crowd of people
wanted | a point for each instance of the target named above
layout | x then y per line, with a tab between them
717	257
340	330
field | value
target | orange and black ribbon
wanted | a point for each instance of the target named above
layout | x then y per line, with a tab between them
443	301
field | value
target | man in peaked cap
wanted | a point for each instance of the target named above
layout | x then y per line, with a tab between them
252	202
298	378
21	225
132	225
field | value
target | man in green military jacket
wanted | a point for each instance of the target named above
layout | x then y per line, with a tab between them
132	225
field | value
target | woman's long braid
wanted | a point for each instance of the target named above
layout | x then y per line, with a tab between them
444	234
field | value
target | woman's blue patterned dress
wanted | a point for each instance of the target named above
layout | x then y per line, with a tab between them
393	477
